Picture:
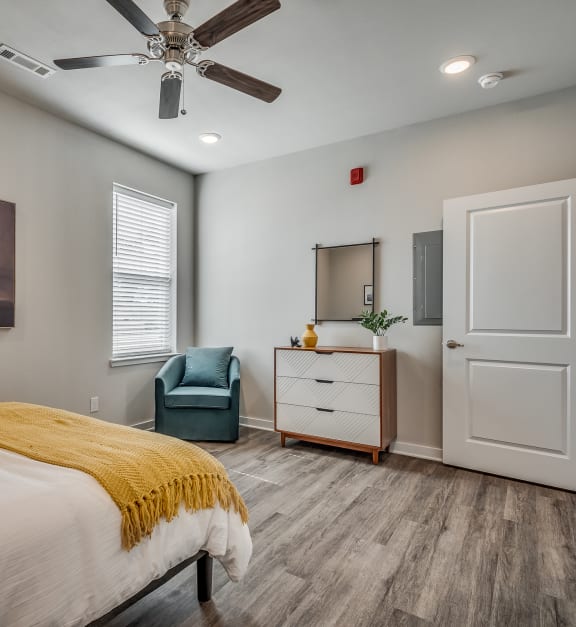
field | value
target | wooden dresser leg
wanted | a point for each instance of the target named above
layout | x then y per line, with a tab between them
282	440
375	457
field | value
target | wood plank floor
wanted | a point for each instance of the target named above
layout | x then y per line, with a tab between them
338	541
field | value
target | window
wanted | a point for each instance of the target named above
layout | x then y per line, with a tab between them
144	281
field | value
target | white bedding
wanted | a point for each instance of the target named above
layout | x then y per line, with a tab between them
61	561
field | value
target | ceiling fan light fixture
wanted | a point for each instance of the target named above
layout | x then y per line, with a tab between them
173	60
456	65
173	66
210	138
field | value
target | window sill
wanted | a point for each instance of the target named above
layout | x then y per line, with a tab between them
144	359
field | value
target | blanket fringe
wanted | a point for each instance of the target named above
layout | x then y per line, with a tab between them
195	492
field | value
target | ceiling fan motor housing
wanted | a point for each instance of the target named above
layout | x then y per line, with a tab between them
176	9
176	34
177	46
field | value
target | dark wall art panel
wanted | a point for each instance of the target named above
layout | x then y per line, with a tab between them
7	263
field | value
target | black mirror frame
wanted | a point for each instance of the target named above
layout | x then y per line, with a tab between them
318	247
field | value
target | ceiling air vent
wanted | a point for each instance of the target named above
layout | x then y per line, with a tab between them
25	62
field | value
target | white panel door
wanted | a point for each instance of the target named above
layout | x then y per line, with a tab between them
509	347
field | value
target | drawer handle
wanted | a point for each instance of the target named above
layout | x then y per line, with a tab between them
324	352
328	411
323	381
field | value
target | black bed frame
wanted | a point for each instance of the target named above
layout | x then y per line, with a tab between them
204	564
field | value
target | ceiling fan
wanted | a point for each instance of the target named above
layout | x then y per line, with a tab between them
176	44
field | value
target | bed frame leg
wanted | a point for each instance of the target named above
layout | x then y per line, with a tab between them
204	574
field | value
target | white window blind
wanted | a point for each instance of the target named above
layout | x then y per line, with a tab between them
144	266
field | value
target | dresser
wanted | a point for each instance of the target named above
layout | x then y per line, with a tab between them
336	395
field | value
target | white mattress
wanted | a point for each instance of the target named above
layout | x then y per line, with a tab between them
61	560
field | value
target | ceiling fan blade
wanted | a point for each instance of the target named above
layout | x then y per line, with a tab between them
134	14
170	96
110	60
232	19
237	80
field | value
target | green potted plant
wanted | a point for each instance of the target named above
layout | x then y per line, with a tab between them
379	323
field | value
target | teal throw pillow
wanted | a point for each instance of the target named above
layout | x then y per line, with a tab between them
207	367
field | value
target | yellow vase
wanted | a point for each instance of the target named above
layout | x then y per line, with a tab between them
309	337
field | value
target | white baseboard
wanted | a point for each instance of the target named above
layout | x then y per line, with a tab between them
401	448
148	425
257	423
416	450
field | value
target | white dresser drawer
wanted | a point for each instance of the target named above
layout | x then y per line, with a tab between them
336	366
335	425
359	398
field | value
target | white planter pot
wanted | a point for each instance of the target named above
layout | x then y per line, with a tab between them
379	342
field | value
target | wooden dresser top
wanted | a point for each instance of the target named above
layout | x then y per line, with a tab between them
335	349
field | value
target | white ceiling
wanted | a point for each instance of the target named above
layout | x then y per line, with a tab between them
347	68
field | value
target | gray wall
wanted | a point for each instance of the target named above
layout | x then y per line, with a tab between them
257	224
60	177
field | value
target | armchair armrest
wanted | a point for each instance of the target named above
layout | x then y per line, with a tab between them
234	370
234	379
170	375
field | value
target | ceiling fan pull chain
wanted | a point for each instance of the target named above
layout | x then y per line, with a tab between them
183	110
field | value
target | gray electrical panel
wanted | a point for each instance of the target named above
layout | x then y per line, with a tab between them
427	264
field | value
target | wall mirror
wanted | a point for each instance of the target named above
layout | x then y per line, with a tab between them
344	281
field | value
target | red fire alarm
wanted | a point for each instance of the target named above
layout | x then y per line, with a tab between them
356	176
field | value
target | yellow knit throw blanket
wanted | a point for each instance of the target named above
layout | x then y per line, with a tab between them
148	475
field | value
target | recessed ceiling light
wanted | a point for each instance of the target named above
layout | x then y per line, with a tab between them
457	65
210	138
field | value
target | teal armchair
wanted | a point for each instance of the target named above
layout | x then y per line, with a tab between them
197	413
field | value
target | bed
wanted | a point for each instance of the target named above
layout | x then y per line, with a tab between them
61	558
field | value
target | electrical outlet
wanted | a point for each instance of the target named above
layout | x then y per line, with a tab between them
94	404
